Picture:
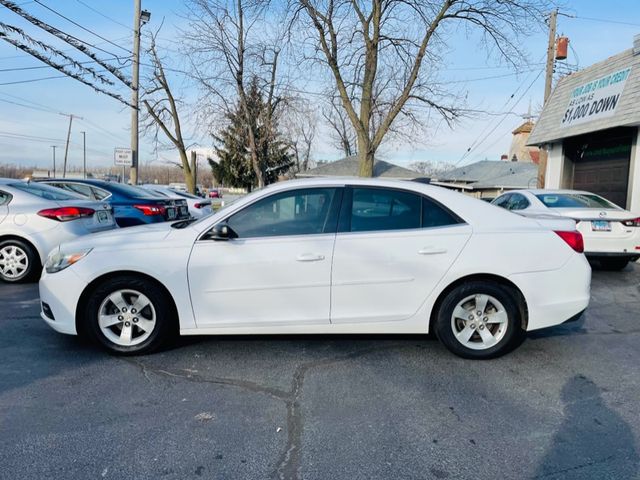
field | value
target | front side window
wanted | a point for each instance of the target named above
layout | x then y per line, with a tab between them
299	212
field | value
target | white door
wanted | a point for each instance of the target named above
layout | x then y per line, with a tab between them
278	269
390	254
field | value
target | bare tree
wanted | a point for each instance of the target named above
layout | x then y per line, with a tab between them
342	133
231	43
162	111
300	128
379	52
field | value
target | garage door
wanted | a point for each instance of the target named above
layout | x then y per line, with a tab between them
601	163
608	178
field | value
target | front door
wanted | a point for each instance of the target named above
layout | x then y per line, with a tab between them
278	269
392	248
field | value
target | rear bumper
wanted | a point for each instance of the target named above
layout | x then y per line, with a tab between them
554	296
629	255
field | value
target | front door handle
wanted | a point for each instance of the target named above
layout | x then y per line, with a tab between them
431	250
309	257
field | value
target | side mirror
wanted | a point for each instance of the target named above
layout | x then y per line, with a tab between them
220	232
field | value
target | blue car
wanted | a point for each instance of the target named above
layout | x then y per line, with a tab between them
131	205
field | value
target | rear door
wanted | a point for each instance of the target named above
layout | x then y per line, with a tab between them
392	248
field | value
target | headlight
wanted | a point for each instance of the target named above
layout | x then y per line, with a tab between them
59	260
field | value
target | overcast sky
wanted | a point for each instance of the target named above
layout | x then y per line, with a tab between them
596	29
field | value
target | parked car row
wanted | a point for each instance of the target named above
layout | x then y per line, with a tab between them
35	217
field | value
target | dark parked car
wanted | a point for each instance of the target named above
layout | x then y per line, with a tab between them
131	205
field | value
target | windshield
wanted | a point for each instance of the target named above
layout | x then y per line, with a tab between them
575	200
44	191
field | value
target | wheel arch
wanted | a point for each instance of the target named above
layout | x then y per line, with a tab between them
84	296
25	240
487	277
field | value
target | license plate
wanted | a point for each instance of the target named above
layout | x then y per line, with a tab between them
103	217
183	211
171	213
601	226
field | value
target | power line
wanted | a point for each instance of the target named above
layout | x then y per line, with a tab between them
19	82
105	16
602	20
83	28
39	67
23	55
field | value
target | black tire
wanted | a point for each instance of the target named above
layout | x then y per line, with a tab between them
163	331
34	267
614	263
509	339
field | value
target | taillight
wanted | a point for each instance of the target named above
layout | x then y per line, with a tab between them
65	214
198	205
632	223
149	210
573	239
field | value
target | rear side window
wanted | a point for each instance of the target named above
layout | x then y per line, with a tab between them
99	194
384	209
517	202
4	198
43	191
434	215
78	188
502	201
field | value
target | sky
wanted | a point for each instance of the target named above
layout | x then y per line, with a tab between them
32	104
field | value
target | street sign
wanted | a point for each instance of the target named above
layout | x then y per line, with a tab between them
123	157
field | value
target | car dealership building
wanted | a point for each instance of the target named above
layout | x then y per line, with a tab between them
590	129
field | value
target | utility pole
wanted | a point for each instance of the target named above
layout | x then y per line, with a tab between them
139	19
548	83
84	155
54	160
66	148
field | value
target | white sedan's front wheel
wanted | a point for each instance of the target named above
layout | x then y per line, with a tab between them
480	320
129	315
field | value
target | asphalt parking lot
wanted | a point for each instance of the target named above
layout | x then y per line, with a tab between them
564	406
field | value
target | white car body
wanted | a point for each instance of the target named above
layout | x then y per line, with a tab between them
198	207
19	216
354	282
619	240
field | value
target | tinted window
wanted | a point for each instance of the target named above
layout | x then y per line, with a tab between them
99	194
434	215
298	212
384	209
43	191
517	202
574	200
502	201
77	188
4	198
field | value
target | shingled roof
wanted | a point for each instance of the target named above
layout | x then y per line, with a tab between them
348	167
549	127
490	173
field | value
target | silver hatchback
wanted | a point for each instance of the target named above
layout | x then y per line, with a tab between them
36	218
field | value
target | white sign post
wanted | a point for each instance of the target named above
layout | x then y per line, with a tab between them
596	99
124	158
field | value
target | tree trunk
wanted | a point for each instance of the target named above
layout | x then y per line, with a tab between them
365	156
186	170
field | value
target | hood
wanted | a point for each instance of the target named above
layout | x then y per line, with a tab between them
121	237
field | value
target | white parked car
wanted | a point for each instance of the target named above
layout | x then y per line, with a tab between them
198	206
611	234
323	256
35	218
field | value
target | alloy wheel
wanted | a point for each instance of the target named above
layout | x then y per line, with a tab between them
479	321
126	317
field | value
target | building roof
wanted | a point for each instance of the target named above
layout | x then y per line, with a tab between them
526	127
489	173
349	167
550	127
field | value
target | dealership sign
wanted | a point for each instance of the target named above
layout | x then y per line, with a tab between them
596	99
123	157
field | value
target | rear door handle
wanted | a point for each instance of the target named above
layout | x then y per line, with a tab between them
431	250
309	257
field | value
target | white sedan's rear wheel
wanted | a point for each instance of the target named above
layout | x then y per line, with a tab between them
130	315
480	320
19	262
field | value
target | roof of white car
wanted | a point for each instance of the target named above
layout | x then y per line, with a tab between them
542	191
5	181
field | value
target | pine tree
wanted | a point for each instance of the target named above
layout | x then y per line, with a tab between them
234	167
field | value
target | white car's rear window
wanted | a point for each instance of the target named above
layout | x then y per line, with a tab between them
574	200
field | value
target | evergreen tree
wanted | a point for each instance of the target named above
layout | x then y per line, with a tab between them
234	167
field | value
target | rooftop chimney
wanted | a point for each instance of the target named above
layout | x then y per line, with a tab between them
504	157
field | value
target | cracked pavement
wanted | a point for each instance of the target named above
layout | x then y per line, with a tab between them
563	406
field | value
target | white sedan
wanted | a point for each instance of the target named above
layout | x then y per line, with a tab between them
611	234
198	207
323	256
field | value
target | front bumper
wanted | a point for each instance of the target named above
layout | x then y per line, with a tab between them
61	292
